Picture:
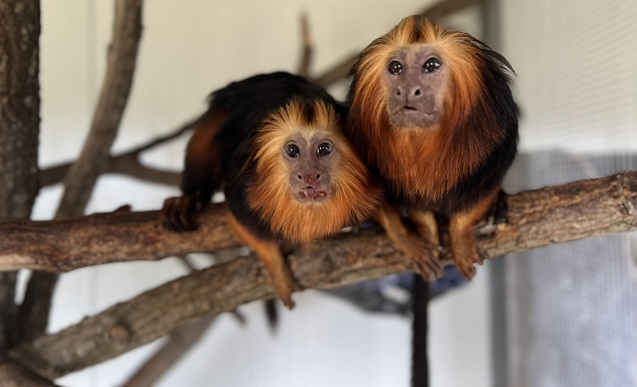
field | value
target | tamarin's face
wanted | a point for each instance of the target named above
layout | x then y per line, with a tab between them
415	80
309	161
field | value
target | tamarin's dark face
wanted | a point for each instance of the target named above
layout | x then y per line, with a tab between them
309	162
415	81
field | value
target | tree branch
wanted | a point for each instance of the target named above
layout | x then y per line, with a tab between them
535	218
126	163
307	48
179	342
19	129
13	374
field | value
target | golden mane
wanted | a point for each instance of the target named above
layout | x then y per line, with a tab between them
419	162
354	198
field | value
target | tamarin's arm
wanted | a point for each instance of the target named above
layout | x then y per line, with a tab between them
270	253
416	248
202	174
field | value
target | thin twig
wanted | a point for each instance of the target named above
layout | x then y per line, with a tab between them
307	49
127	163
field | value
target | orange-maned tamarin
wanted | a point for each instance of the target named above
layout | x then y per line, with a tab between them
432	113
275	144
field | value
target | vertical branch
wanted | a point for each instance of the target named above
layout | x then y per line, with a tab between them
81	178
19	129
122	56
307	48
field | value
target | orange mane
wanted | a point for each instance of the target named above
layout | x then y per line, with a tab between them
427	163
355	195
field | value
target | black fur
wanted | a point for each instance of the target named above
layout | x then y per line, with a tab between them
248	103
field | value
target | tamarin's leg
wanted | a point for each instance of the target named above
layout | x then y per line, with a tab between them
426	227
426	261
270	254
462	235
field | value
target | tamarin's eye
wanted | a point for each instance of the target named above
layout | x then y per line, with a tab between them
431	65
324	149
292	150
395	67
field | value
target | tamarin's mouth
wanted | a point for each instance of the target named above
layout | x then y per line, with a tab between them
310	195
410	116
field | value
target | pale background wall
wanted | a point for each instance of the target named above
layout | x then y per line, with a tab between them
189	49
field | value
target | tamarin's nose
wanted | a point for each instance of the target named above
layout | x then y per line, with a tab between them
311	180
414	92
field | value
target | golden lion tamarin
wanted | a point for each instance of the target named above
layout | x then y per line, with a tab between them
432	113
275	142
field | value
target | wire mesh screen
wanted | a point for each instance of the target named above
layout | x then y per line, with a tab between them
571	309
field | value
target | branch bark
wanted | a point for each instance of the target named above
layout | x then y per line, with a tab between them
535	218
19	129
179	343
13	374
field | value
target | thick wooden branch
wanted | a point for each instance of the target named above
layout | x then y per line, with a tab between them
535	218
122	236
19	129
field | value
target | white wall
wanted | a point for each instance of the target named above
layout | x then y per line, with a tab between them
188	50
577	64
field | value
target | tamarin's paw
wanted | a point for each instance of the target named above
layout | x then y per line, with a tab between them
284	292
424	257
426	260
428	267
177	213
464	264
